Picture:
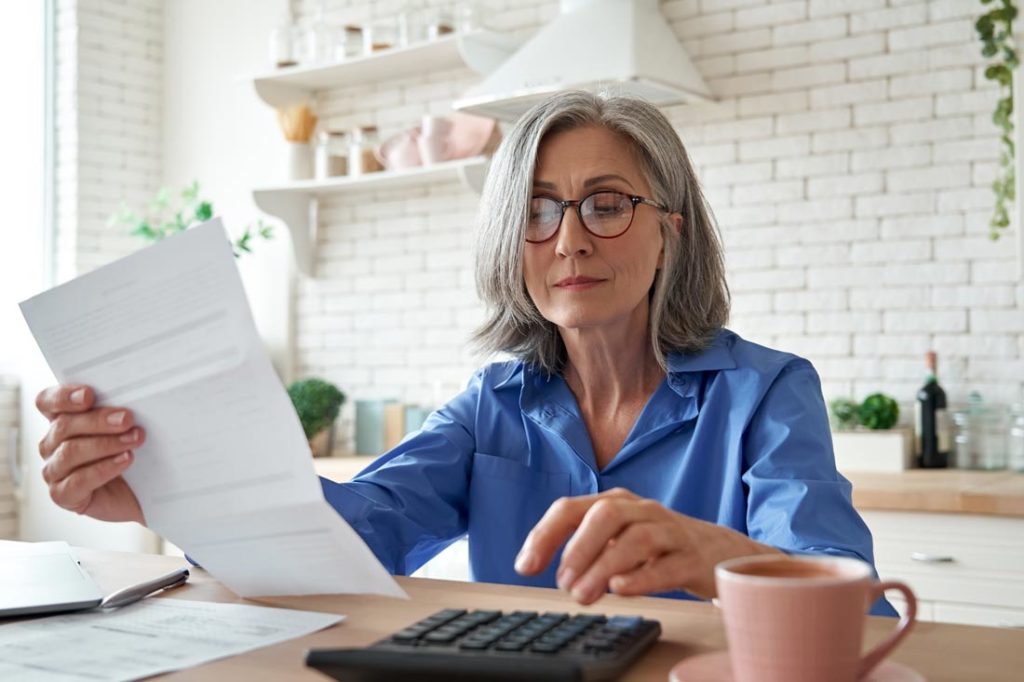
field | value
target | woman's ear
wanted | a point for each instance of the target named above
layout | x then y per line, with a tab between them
677	223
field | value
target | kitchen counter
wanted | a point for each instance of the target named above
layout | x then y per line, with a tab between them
998	493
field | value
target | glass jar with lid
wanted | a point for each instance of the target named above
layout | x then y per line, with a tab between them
981	434
350	42
381	34
331	158
362	156
284	43
1015	439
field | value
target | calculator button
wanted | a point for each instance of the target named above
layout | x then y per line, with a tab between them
439	636
624	623
545	647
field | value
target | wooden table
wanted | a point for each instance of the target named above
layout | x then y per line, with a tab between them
939	651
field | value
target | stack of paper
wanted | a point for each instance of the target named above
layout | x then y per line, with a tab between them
147	638
225	472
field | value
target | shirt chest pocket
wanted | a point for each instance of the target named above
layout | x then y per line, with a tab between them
507	494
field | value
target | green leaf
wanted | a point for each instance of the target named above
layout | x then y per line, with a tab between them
144	230
204	211
191	192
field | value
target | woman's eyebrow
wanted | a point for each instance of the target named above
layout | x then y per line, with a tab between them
605	178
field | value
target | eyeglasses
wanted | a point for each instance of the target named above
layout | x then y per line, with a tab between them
604	214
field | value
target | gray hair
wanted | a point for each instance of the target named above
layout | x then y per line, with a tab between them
689	297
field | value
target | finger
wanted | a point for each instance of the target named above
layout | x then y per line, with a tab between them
672	571
100	421
75	492
635	546
606	519
71	398
79	452
558	522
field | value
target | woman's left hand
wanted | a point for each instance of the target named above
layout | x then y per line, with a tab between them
630	545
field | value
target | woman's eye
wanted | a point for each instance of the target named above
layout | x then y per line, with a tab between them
608	209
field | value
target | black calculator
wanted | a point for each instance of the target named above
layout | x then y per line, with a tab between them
456	644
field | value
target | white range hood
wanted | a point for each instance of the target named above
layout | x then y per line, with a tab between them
620	45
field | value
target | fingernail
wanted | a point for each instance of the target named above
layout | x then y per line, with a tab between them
116	418
524	562
565	578
122	458
583	592
130	436
78	396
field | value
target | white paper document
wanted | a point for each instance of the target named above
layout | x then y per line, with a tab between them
225	472
146	638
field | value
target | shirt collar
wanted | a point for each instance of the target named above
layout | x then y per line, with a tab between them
717	355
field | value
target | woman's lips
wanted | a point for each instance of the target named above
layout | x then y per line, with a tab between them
578	283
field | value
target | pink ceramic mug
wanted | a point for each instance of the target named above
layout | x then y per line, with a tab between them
801	619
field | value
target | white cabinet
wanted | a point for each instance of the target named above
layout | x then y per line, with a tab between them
964	568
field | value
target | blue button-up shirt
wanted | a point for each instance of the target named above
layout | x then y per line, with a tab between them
736	435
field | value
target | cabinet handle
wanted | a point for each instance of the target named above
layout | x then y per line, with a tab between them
926	558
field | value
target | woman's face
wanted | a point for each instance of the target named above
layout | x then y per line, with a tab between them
579	281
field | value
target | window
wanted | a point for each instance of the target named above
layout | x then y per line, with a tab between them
26	169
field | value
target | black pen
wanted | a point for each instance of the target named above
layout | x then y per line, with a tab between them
134	593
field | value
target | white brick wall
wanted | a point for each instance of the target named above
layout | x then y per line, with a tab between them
109	99
9	408
847	161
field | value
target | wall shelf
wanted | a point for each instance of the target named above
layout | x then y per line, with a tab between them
481	51
297	203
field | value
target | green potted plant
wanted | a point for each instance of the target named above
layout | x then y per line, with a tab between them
317	402
866	437
164	218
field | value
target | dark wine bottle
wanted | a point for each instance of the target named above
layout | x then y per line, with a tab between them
932	431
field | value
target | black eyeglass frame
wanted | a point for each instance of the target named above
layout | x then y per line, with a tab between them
578	203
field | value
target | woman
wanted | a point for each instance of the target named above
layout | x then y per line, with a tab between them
631	427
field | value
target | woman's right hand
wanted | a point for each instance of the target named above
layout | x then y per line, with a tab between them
86	450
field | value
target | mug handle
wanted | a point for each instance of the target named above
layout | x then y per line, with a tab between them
885	647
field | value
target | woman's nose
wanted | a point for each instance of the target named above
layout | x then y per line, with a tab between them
573	239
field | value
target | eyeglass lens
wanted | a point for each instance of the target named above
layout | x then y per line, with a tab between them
604	214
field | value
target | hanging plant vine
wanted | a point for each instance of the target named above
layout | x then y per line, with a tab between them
995	28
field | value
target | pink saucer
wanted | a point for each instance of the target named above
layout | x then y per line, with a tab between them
714	667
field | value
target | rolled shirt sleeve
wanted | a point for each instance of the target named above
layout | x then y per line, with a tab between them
412	502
